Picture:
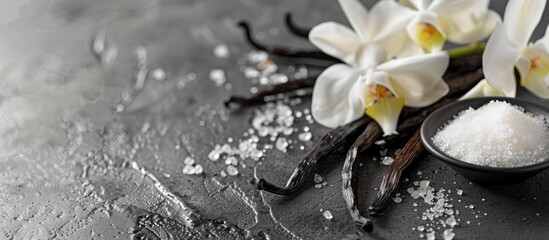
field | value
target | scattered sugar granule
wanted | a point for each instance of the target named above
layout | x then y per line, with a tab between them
380	142
497	134
318	178
448	234
232	170
159	74
328	215
281	144
430	236
218	77
306	136
387	161
222	51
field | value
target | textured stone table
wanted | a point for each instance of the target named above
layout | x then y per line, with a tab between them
94	146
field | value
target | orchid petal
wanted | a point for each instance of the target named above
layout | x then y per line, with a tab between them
409	47
472	23
336	96
386	112
521	18
482	89
498	62
388	20
533	66
418	79
523	66
335	40
420	5
358	17
369	56
448	7
538	85
407	4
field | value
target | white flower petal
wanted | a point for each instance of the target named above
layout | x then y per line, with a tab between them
538	85
407	4
409	47
523	66
335	40
450	7
435	63
417	79
336	96
498	62
521	18
386	112
482	89
358	17
421	5
369	56
390	20
463	30
533	66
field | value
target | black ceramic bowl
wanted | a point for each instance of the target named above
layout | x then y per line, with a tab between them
480	174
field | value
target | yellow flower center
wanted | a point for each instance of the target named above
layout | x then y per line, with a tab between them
428	37
534	63
539	66
375	93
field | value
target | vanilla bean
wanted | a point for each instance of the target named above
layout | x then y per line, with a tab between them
462	83
372	133
350	167
280	51
259	97
463	64
391	179
329	143
299	31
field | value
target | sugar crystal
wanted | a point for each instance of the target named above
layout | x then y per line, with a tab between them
448	234
221	51
318	178
430	236
231	170
218	77
281	144
306	136
328	215
387	161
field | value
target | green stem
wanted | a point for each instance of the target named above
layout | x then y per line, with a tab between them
466	50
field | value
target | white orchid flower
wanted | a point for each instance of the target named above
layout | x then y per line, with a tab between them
431	22
508	48
379	26
343	94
